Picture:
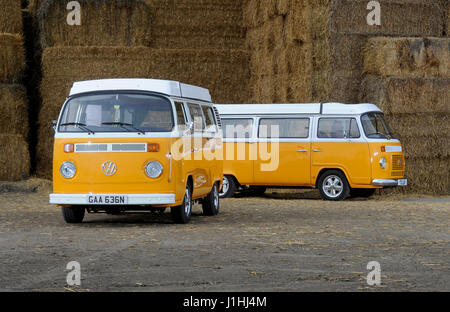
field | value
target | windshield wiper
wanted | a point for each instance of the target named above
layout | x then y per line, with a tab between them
79	125
378	133
123	124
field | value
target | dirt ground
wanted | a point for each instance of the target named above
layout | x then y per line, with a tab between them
279	242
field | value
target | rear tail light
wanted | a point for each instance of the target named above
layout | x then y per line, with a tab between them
68	148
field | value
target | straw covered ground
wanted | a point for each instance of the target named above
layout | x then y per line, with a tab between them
14	158
13	110
103	22
12	58
11	17
224	72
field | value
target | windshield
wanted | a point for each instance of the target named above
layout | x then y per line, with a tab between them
375	127
117	112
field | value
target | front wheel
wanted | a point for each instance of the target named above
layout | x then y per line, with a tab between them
333	186
73	214
182	214
210	204
228	187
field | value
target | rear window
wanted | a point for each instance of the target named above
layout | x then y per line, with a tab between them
338	128
288	128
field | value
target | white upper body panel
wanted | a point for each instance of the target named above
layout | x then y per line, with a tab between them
283	109
168	87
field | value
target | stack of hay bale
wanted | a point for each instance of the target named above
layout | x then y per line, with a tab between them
14	153
324	50
409	79
309	50
173	40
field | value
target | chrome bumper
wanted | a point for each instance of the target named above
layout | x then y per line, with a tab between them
388	182
133	199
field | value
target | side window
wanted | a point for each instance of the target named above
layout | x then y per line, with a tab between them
197	117
209	118
288	128
338	128
181	119
237	128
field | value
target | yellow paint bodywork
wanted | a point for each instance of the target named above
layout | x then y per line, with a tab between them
130	177
301	163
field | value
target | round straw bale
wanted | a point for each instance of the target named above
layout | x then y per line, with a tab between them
13	110
12	58
103	23
14	158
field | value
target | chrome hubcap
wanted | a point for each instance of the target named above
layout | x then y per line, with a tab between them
333	186
187	202
225	186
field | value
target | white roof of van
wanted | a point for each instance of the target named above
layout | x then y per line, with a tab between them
307	108
168	87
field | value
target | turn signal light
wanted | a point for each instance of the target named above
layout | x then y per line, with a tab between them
153	147
383	149
68	148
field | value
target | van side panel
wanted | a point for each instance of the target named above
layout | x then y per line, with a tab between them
351	157
237	161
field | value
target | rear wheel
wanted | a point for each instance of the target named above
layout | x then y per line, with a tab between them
366	193
73	214
229	186
182	214
210	204
333	185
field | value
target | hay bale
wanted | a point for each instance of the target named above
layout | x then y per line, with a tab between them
14	158
427	176
192	24
13	110
408	57
11	17
407	95
224	72
12	58
103	23
422	124
437	146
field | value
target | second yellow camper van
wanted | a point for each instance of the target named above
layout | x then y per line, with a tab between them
340	149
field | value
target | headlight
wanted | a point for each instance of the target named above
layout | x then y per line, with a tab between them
154	169
68	170
383	163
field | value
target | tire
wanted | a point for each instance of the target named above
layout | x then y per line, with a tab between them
365	193
229	187
333	185
182	214
73	214
211	203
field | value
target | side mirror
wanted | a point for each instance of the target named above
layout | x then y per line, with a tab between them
54	122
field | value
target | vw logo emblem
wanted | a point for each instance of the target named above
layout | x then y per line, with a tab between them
109	168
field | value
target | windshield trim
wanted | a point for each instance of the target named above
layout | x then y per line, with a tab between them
133	92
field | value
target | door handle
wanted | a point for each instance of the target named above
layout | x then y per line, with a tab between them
317	151
302	151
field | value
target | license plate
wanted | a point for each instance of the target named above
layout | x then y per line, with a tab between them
402	182
107	199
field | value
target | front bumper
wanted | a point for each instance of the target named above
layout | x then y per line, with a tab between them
390	182
133	199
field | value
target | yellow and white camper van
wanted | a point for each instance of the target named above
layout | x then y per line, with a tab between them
340	149
136	144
